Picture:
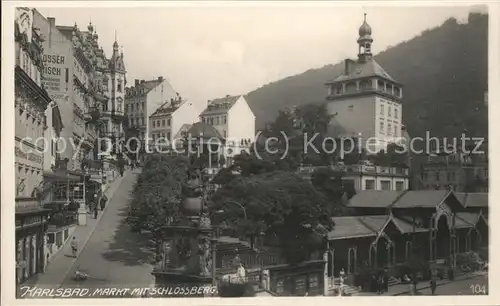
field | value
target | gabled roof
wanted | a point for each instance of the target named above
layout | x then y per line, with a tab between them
374	198
204	130
349	227
221	105
146	85
473	199
168	108
466	220
421	198
406	226
363	69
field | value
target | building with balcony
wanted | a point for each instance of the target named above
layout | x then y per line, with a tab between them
367	177
460	170
142	100
365	99
31	102
234	120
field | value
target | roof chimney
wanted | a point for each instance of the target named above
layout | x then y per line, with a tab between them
136	82
142	81
52	21
160	78
348	66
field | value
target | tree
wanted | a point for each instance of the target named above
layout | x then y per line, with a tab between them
393	156
157	194
279	204
330	182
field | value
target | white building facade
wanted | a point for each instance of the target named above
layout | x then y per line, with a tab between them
232	117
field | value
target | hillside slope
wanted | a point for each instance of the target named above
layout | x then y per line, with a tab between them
444	71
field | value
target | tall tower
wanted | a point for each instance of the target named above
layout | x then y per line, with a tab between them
365	99
117	96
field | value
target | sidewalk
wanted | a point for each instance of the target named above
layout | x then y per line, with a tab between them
62	262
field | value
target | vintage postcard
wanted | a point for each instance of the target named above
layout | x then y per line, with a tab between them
266	151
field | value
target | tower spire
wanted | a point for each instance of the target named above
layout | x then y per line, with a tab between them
365	41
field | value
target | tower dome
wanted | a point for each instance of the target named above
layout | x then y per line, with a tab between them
365	29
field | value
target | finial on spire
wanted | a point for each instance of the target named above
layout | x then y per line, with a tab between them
116	39
365	18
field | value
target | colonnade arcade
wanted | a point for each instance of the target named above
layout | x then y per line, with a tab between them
439	240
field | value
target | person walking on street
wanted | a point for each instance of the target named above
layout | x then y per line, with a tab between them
74	246
433	285
103	201
96	208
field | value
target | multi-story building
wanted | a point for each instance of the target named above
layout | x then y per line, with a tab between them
234	120
456	169
365	99
367	177
142	100
31	102
166	122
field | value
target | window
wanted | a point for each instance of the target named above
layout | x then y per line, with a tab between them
399	186
389	111
158	123
224	133
154	123
437	175
386	185
381	127
224	120
369	184
163	122
168	136
119	87
168	122
382	110
217	122
389	129
396	130
396	115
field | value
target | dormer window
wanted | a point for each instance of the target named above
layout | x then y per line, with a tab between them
119	87
338	90
397	92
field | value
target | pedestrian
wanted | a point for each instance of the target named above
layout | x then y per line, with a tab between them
386	280
103	201
433	285
74	246
95	210
415	283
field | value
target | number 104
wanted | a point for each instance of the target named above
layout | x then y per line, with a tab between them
478	289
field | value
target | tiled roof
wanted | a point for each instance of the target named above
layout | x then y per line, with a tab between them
198	129
466	219
167	108
406	226
376	223
473	199
220	105
421	198
349	227
358	70
374	198
147	86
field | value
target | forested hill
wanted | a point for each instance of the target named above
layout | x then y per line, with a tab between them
444	71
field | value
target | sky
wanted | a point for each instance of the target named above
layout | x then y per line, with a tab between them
210	51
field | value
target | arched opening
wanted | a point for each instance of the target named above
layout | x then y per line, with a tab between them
443	238
482	228
408	250
373	256
351	259
383	250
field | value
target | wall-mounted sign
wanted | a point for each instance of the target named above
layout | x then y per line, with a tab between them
56	74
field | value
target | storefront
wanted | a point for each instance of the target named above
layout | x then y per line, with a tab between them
31	222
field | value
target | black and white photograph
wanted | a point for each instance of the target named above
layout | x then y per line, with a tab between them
243	149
